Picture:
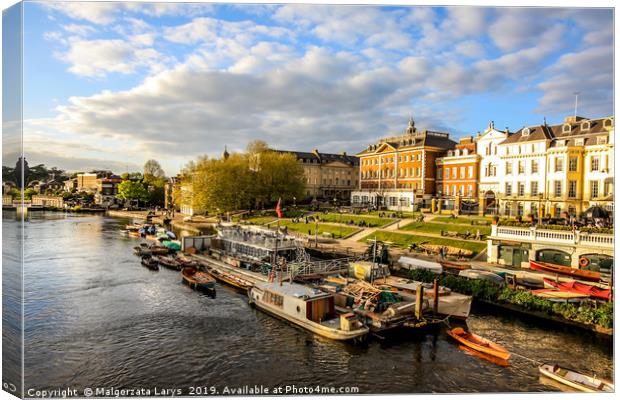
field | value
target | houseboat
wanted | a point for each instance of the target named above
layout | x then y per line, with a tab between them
309	308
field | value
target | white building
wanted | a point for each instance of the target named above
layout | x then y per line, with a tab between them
487	147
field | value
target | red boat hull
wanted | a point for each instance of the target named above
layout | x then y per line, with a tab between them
562	270
576	287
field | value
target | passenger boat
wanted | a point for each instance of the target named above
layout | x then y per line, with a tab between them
581	288
150	263
311	309
576	380
559	296
563	270
197	279
482	274
230	279
478	343
168	262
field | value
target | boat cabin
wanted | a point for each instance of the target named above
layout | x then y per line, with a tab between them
298	301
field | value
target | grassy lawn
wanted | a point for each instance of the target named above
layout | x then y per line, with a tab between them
337	231
430	227
462	220
260	220
370	221
404	240
402	214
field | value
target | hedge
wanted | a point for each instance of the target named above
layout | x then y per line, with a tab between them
601	315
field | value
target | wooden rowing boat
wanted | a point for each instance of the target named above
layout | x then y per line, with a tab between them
579	288
478	343
150	263
454	266
495	360
135	234
198	279
576	380
231	279
563	270
559	296
168	262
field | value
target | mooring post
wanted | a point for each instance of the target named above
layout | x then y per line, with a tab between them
419	300
435	295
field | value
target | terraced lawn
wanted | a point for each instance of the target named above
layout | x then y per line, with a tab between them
404	240
431	227
337	231
260	220
370	221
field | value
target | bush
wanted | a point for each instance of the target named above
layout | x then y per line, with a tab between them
595	313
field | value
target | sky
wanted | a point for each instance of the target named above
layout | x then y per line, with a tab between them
111	85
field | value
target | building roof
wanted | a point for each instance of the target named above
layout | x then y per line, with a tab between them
571	129
323	158
413	139
292	289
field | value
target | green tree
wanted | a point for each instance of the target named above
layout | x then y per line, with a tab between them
129	190
153	170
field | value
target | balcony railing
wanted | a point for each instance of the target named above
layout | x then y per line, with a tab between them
541	235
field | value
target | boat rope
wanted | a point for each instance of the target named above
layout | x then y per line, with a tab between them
527	358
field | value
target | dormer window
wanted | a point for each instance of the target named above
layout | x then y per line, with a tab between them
566	128
585	126
525	132
608	123
465	152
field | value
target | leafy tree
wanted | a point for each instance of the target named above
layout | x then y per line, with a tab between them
153	170
129	190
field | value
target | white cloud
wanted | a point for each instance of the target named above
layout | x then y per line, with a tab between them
95	12
97	58
81	30
470	48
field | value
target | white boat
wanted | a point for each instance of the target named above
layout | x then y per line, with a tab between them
482	274
311	309
417	263
450	303
577	380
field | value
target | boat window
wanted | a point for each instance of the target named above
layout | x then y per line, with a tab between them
553	256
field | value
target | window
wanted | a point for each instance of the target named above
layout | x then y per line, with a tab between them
572	164
521	189
526	132
558	164
470	190
572	189
601	140
439	172
454	170
594	163
417	172
470	172
447	173
508	167
534	188
508	189
593	189
585	126
520	209
453	190
579	142
462	172
534	166
608	188
566	128
557	188
521	167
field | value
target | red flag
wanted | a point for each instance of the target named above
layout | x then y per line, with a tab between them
279	209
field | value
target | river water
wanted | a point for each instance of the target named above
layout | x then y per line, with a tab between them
94	317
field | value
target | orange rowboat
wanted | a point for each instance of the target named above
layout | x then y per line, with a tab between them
562	270
478	343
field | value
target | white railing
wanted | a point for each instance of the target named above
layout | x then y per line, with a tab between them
535	234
